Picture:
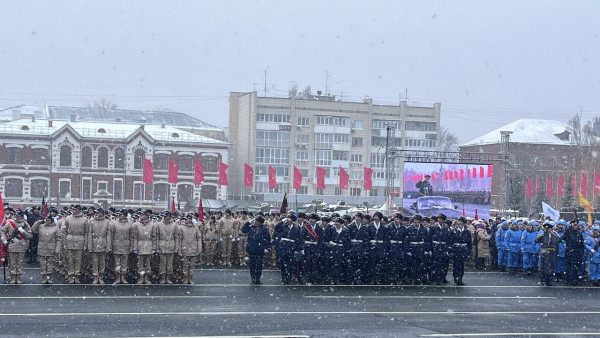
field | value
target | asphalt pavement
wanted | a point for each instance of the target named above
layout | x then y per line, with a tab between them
224	303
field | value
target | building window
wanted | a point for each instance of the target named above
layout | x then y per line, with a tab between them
119	158
420	126
323	120
86	157
273	155
377	160
378	141
357	141
273	118
210	163
302	156
138	159
355	191
340	121
303	190
118	190
103	157
355	174
303	121
161	192
161	161
263	187
382	124
209	192
323	141
186	163
263	170
138	191
39	188
338	191
357	125
102	185
13	155
323	157
39	156
266	138
302	138
64	188
340	138
185	192
65	156
304	172
13	187
340	156
86	189
356	158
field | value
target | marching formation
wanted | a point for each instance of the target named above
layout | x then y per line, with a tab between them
88	244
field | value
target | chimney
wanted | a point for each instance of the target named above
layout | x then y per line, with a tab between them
319	93
33	118
49	123
73	118
162	125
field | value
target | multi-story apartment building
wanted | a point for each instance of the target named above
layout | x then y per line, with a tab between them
311	131
101	163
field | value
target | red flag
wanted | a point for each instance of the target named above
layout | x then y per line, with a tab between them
321	178
198	172
272	177
574	185
462	174
596	183
489	170
173	205
223	180
455	174
2	214
148	171
297	178
173	171
468	173
249	175
368	179
344	178
284	205
200	211
476	214
583	186
549	188
474	175
45	212
560	185
464	213
481	173
529	188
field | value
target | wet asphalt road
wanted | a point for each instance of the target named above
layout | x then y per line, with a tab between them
223	303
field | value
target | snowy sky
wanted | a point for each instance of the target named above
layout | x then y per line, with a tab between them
487	62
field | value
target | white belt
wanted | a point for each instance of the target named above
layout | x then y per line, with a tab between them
309	242
335	244
288	240
375	241
417	243
460	244
436	242
356	241
396	242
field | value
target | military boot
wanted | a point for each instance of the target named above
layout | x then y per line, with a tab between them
95	281
169	279
76	280
141	279
460	281
163	279
191	277
71	280
18	279
49	279
123	280
147	279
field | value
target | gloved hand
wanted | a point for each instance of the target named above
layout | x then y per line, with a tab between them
153	252
332	243
21	230
409	254
239	239
221	239
5	242
266	250
135	252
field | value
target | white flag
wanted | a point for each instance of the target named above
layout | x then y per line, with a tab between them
550	212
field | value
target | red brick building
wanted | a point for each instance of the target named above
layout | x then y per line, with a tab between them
101	163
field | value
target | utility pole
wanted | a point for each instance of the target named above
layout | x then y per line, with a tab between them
326	82
505	158
390	157
265	83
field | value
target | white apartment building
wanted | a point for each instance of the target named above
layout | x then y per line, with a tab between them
311	131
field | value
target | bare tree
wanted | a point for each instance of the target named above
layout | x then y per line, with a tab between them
103	103
448	141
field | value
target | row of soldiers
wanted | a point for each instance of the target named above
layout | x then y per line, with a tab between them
154	242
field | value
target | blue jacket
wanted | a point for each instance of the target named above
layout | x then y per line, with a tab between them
528	242
258	238
591	244
562	245
514	240
502	239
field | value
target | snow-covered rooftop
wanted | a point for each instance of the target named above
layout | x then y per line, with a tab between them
110	130
528	131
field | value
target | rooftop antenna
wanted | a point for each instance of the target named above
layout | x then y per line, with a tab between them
326	82
265	83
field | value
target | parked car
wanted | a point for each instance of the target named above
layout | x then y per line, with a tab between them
435	205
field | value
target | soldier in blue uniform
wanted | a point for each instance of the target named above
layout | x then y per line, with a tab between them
378	253
561	265
528	247
502	245
259	242
287	235
311	238
359	241
573	252
440	245
461	246
428	261
396	250
592	245
415	242
336	241
514	244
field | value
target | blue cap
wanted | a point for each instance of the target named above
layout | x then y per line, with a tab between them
596	227
597	221
534	223
514	221
520	222
505	223
582	223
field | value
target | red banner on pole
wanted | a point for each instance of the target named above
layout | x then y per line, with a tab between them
321	178
272	178
596	183
148	171
173	171
489	170
549	188
344	178
248	176
529	188
560	185
223	179
584	184
481	173
297	178
200	211
368	179
462	174
198	172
